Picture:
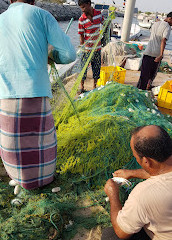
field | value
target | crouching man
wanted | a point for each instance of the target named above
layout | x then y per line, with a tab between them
147	213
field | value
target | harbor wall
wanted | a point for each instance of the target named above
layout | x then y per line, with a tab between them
60	12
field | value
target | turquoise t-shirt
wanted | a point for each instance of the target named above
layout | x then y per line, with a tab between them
25	32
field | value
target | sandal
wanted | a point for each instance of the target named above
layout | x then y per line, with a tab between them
81	91
150	87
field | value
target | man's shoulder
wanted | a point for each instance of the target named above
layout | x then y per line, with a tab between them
162	24
96	12
165	24
83	17
30	8
140	187
143	189
153	186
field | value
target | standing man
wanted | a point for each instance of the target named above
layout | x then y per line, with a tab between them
149	205
28	144
88	29
154	52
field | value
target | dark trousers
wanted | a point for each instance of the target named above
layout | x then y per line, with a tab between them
149	71
109	234
95	64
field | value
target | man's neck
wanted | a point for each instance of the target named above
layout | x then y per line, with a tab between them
18	1
21	1
167	21
90	13
162	168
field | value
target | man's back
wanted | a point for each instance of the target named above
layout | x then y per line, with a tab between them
160	30
150	204
23	38
25	33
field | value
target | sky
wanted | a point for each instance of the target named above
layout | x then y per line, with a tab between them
145	5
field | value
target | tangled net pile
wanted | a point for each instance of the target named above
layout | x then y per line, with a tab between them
165	68
89	150
100	139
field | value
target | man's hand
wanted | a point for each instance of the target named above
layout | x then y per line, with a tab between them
50	61
111	189
163	44
133	173
81	39
123	173
158	59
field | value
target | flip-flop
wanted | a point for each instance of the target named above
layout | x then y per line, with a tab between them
81	91
150	87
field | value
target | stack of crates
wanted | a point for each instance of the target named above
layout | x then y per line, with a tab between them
111	73
165	95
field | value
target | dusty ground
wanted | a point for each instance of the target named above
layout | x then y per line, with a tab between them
2	172
95	233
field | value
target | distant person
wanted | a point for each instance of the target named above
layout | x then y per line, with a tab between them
88	29
28	144
153	54
157	19
147	213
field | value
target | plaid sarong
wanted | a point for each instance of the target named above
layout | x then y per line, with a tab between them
28	141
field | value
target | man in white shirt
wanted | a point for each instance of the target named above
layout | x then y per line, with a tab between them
149	205
154	52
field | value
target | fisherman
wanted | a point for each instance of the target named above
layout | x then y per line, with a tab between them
154	52
88	29
28	142
149	205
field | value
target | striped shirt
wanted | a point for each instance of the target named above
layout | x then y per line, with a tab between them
90	29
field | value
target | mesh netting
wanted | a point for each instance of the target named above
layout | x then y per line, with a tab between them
165	68
106	118
115	52
89	150
93	140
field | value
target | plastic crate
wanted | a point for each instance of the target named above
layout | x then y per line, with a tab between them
111	73
165	95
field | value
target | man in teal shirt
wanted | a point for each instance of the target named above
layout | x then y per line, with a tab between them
25	32
28	144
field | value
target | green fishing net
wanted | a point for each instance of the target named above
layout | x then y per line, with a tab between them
138	51
90	147
165	68
106	118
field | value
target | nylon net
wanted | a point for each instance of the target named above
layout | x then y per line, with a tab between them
93	133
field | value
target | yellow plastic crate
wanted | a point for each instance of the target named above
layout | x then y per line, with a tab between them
165	95
111	73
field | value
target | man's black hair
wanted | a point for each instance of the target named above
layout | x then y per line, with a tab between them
158	148
169	15
81	2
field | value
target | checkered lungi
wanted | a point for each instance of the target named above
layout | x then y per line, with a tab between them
28	143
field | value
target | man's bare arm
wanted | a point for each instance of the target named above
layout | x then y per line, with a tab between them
81	39
112	191
163	44
134	173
